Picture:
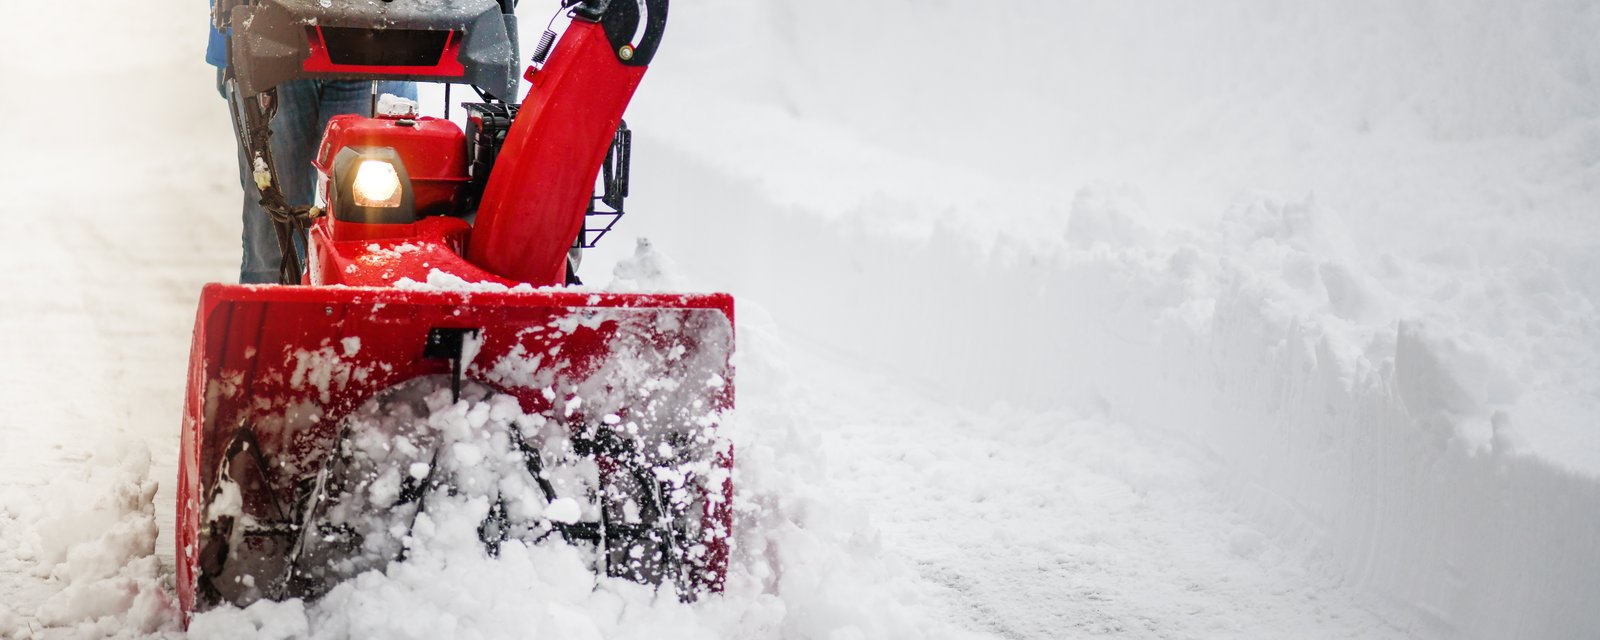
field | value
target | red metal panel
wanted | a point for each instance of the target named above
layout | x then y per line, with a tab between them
293	362
534	203
379	255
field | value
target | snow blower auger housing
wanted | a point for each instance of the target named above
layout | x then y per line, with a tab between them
420	358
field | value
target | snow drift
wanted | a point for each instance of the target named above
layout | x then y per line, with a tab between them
1348	251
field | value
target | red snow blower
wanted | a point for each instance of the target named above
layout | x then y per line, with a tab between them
429	351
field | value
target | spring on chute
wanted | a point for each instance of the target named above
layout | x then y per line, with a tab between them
548	38
542	50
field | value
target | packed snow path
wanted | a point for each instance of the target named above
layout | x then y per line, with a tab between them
1033	359
1050	525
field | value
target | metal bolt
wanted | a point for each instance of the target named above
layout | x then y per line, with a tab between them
626	52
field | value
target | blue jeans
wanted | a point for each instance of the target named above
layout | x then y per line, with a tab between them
304	107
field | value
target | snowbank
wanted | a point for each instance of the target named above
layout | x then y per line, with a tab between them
1355	416
89	542
1349	251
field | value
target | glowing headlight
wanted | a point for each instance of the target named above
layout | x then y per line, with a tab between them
370	185
376	185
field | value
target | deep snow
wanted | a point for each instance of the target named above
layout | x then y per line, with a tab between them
1149	319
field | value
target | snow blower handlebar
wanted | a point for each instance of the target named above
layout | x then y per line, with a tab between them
467	41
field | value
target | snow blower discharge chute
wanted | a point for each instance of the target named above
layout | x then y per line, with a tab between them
417	357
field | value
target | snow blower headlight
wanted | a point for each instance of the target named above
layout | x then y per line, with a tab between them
376	184
371	186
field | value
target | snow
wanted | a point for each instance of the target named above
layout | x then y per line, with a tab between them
89	543
563	510
647	270
324	368
394	106
440	281
1144	319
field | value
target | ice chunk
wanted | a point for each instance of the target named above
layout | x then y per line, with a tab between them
393	106
563	510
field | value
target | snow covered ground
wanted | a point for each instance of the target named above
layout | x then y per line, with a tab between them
1147	319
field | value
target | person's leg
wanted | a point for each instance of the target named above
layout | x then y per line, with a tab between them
259	241
296	105
304	107
296	133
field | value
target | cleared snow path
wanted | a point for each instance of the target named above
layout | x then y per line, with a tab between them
115	209
1049	525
